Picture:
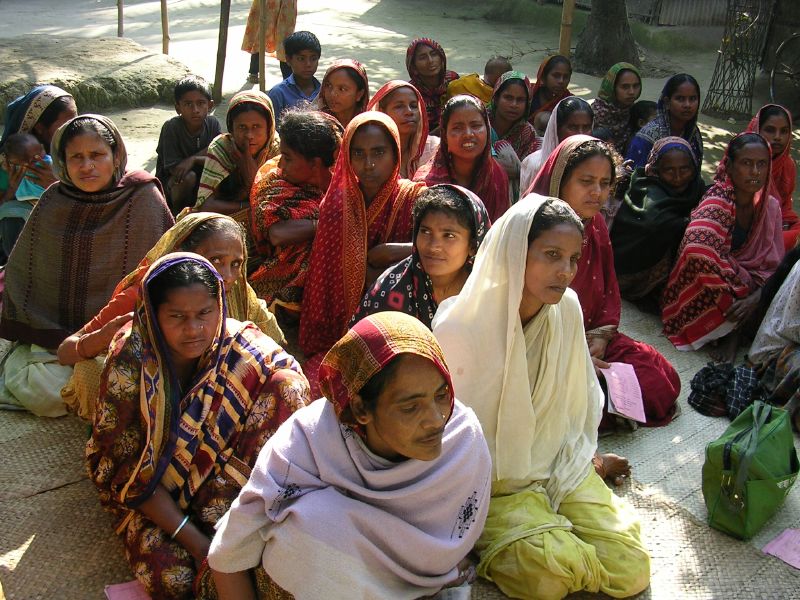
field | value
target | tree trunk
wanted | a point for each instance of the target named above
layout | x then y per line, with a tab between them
606	39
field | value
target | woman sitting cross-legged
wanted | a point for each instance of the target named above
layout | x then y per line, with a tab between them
378	490
188	398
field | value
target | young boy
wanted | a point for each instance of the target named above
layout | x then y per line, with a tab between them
183	142
480	87
302	50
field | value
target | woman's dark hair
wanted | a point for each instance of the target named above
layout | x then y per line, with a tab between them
456	102
244	107
586	151
639	111
310	134
571	105
551	213
181	275
207	229
81	126
354	76
674	82
54	109
444	199
773	110
556	60
370	391
740	141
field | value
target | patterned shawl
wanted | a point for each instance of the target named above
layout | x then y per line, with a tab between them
76	246
242	303
708	276
522	135
405	287
606	112
658	128
24	112
489	179
347	229
434	97
420	139
282	274
551	104
147	433
652	218
321	104
316	464
784	171
219	157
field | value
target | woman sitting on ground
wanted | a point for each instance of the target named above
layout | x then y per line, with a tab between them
85	234
40	112
465	155
390	452
188	398
732	245
345	91
233	158
649	225
571	116
364	226
404	104
619	90
581	172
550	88
678	109
449	225
285	203
508	114
774	124
514	341
427	67
216	237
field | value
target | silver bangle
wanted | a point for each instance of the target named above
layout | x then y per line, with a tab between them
177	531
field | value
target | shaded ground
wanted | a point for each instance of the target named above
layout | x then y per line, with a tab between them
55	541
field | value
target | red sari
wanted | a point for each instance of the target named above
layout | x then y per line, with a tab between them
598	292
784	176
489	179
347	229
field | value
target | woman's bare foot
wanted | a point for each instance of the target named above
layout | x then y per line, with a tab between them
612	467
725	348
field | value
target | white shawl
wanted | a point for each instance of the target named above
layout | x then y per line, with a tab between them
781	324
534	391
329	519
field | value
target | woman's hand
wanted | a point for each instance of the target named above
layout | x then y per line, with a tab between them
42	173
106	333
597	350
741	310
247	168
612	467
508	159
15	176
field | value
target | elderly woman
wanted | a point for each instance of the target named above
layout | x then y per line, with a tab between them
188	398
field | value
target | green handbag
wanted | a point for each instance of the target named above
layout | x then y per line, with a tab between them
749	470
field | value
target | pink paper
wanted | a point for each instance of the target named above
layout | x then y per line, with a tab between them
786	547
132	590
624	392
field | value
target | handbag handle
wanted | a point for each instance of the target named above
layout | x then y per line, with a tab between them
761	414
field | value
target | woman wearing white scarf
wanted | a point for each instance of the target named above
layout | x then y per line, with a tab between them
553	527
328	515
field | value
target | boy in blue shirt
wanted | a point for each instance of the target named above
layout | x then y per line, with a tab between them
302	50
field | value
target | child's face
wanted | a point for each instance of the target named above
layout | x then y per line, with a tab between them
33	153
193	108
304	64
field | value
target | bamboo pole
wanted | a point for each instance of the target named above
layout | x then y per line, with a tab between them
565	37
262	45
222	47
120	23
164	28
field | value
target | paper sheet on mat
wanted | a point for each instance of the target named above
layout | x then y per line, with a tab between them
132	590
624	392
786	547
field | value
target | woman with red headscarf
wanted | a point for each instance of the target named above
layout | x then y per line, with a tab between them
427	66
551	84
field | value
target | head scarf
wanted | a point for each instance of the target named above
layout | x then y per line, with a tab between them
434	97
421	136
347	229
548	180
366	349
521	135
533	163
344	63
606	111
406	287
180	438
489	180
24	112
534	389
664	145
58	152
540	83
219	156
784	171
